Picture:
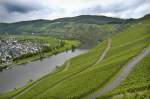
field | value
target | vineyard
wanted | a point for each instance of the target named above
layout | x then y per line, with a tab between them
86	75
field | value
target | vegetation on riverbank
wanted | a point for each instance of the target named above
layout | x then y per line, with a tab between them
55	46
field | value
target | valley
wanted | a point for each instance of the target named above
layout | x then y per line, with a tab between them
116	65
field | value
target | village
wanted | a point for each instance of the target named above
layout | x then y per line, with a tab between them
11	48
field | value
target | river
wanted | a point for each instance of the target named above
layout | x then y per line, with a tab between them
20	75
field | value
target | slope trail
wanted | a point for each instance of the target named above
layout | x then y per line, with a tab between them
121	75
102	56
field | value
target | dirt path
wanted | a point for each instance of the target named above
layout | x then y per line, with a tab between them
67	66
121	75
102	56
105	52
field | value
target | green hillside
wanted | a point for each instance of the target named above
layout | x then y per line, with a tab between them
137	84
86	28
86	74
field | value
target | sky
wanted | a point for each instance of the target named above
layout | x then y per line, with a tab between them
23	10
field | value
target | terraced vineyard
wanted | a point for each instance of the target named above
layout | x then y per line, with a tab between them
86	75
136	85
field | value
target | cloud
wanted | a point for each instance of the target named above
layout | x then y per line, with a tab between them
18	6
10	7
20	10
122	9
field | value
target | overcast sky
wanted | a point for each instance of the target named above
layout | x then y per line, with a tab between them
22	10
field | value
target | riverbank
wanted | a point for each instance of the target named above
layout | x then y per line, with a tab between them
69	44
14	93
58	67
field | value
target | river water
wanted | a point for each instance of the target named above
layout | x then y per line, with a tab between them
20	75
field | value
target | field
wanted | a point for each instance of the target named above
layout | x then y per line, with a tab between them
86	74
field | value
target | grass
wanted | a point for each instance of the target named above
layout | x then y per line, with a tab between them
85	83
83	77
75	87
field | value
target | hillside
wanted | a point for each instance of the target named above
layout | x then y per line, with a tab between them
88	29
84	76
137	83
